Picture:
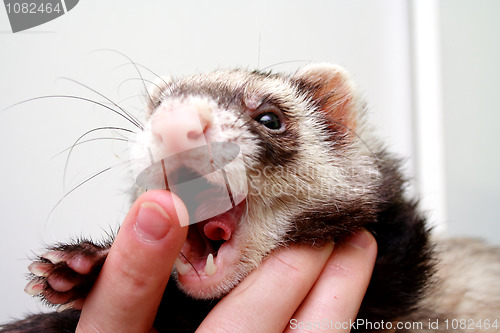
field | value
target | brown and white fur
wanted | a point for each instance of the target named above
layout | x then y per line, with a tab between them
311	172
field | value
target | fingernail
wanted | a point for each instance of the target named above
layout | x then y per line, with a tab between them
153	222
361	239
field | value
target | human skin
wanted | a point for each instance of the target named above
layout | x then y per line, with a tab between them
302	283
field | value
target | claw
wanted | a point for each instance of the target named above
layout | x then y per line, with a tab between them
34	288
40	269
54	257
76	304
65	273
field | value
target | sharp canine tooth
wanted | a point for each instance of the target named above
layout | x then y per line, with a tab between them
210	267
181	267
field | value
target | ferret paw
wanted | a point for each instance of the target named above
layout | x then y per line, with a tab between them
65	274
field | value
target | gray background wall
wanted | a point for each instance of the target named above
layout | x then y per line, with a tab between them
470	53
370	38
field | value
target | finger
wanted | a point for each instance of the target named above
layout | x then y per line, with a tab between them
335	298
130	286
268	297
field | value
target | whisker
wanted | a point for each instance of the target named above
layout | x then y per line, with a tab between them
283	63
238	118
244	124
190	263
131	117
146	68
77	98
95	175
75	188
90	140
131	97
154	73
136	68
258	54
138	78
81	137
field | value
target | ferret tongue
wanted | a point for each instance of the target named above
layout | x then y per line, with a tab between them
220	227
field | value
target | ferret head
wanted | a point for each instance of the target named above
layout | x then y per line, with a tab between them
280	159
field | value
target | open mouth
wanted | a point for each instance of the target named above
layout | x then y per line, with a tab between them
209	251
216	203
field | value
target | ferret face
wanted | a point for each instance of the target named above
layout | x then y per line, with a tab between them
268	160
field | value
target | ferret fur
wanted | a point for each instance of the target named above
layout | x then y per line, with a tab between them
320	180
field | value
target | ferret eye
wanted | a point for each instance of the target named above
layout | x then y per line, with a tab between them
270	120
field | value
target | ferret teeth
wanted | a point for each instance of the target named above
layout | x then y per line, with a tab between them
210	267
181	267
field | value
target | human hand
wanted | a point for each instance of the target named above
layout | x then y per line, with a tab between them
300	283
128	291
298	286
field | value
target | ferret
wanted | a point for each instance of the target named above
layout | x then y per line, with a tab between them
283	159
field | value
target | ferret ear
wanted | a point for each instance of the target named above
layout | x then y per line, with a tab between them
334	92
156	91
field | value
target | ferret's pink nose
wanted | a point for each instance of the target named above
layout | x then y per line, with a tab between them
180	129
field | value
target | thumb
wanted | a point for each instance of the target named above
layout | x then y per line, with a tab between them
128	291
